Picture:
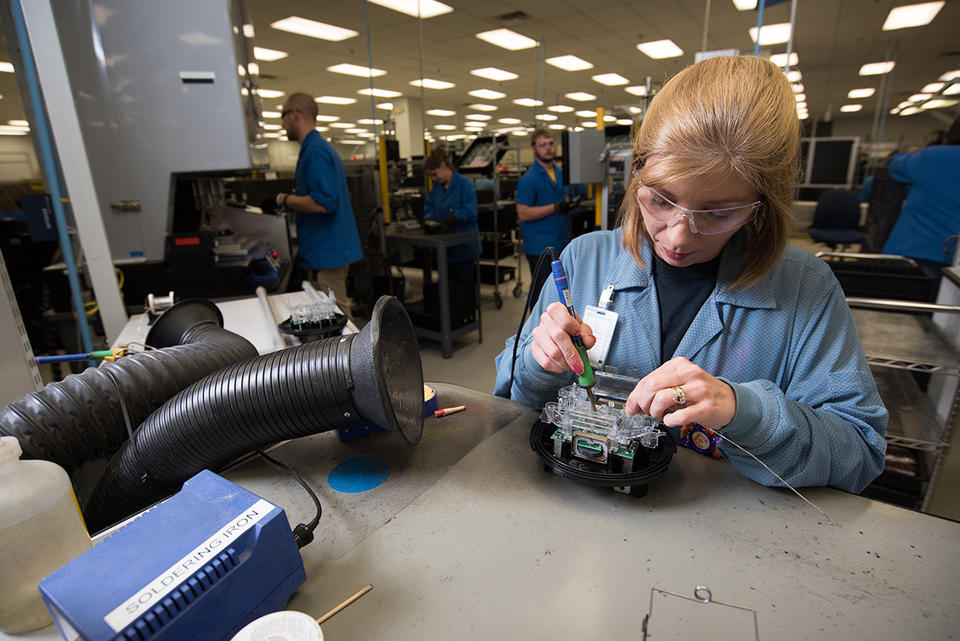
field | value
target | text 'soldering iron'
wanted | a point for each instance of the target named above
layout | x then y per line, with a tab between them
585	380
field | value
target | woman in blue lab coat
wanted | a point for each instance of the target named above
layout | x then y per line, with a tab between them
725	325
453	202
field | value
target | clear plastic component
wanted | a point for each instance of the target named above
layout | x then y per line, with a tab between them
314	314
573	412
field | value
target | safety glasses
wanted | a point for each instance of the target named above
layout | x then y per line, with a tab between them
701	221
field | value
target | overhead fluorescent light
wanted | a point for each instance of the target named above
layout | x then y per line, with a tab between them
771	34
268	55
507	39
430	83
560	109
861	93
6	66
477	128
270	114
917	97
800	97
19	123
797	87
933	87
637	90
947	77
416	8
952	90
580	96
478	117
482	107
323	118
912	15
248	31
745	5
904	103
545	117
895	111
876	68
369	121
569	63
445	127
909	111
801	106
322	129
272	134
939	103
780	59
509	121
634	110
441	112
527	102
659	49
350	141
335	100
343	125
624	121
850	108
609	118
313	29
586	113
356	130
360	71
557	126
492	73
487	94
379	93
794	76
272	127
269	93
610	79
588	123
385	105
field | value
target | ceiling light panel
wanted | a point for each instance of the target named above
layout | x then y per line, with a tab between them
270	114
952	90
507	39
360	71
369	121
797	87
560	109
6	67
660	49
416	8
487	94
335	100
323	118
430	83
780	59
269	93
313	29
912	15
509	121
638	90
478	117
917	97
569	63
528	102
933	87
557	126
851	108
866	92
876	68
379	93
745	5
268	55
939	103
610	79
794	76
482	107
947	77
492	73
385	105
581	96
441	112
445	127
586	113
771	34
545	117
343	125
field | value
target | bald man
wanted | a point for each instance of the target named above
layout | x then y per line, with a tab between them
326	229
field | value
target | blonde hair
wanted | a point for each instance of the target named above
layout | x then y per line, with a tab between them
726	114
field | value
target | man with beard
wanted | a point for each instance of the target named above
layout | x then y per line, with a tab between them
543	207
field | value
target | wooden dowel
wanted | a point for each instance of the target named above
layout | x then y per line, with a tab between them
344	604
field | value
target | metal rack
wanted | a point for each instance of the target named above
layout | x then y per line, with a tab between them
896	341
502	236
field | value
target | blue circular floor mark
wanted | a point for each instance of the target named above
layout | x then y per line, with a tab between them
358	474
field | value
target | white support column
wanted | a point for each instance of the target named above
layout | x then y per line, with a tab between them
408	113
65	126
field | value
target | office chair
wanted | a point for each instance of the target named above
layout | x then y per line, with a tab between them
836	219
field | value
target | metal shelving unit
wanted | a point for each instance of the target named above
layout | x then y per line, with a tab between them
897	341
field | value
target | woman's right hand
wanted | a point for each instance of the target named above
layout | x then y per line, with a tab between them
552	346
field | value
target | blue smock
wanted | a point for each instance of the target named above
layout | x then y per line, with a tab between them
330	239
536	189
457	199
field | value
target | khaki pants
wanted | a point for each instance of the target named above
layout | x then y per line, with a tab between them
334	278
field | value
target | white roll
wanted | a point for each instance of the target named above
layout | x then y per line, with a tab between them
286	625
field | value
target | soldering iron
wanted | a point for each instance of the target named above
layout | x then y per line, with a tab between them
585	380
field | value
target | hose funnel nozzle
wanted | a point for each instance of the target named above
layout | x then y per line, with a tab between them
173	324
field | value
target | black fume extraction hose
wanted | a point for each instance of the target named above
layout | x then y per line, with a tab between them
79	419
374	376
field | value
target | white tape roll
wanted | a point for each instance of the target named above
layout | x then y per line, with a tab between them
286	625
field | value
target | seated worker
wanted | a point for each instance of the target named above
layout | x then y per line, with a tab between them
543	206
727	325
453	202
931	211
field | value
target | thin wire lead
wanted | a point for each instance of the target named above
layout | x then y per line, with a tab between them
750	454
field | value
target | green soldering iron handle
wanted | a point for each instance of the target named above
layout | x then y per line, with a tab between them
586	379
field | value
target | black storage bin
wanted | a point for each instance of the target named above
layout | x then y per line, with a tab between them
878	278
496	275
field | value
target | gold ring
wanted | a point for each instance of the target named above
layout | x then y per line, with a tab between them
678	396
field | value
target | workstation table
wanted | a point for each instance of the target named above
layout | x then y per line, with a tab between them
468	537
439	244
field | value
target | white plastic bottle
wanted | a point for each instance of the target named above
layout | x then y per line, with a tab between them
40	531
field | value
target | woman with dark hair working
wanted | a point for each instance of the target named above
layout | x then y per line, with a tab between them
724	324
453	203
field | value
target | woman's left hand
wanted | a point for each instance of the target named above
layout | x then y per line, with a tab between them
679	392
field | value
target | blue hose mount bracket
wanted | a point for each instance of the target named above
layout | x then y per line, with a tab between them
200	565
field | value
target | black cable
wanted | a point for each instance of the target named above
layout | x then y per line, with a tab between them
303	533
526	309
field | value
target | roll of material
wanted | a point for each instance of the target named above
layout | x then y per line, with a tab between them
287	625
429	400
